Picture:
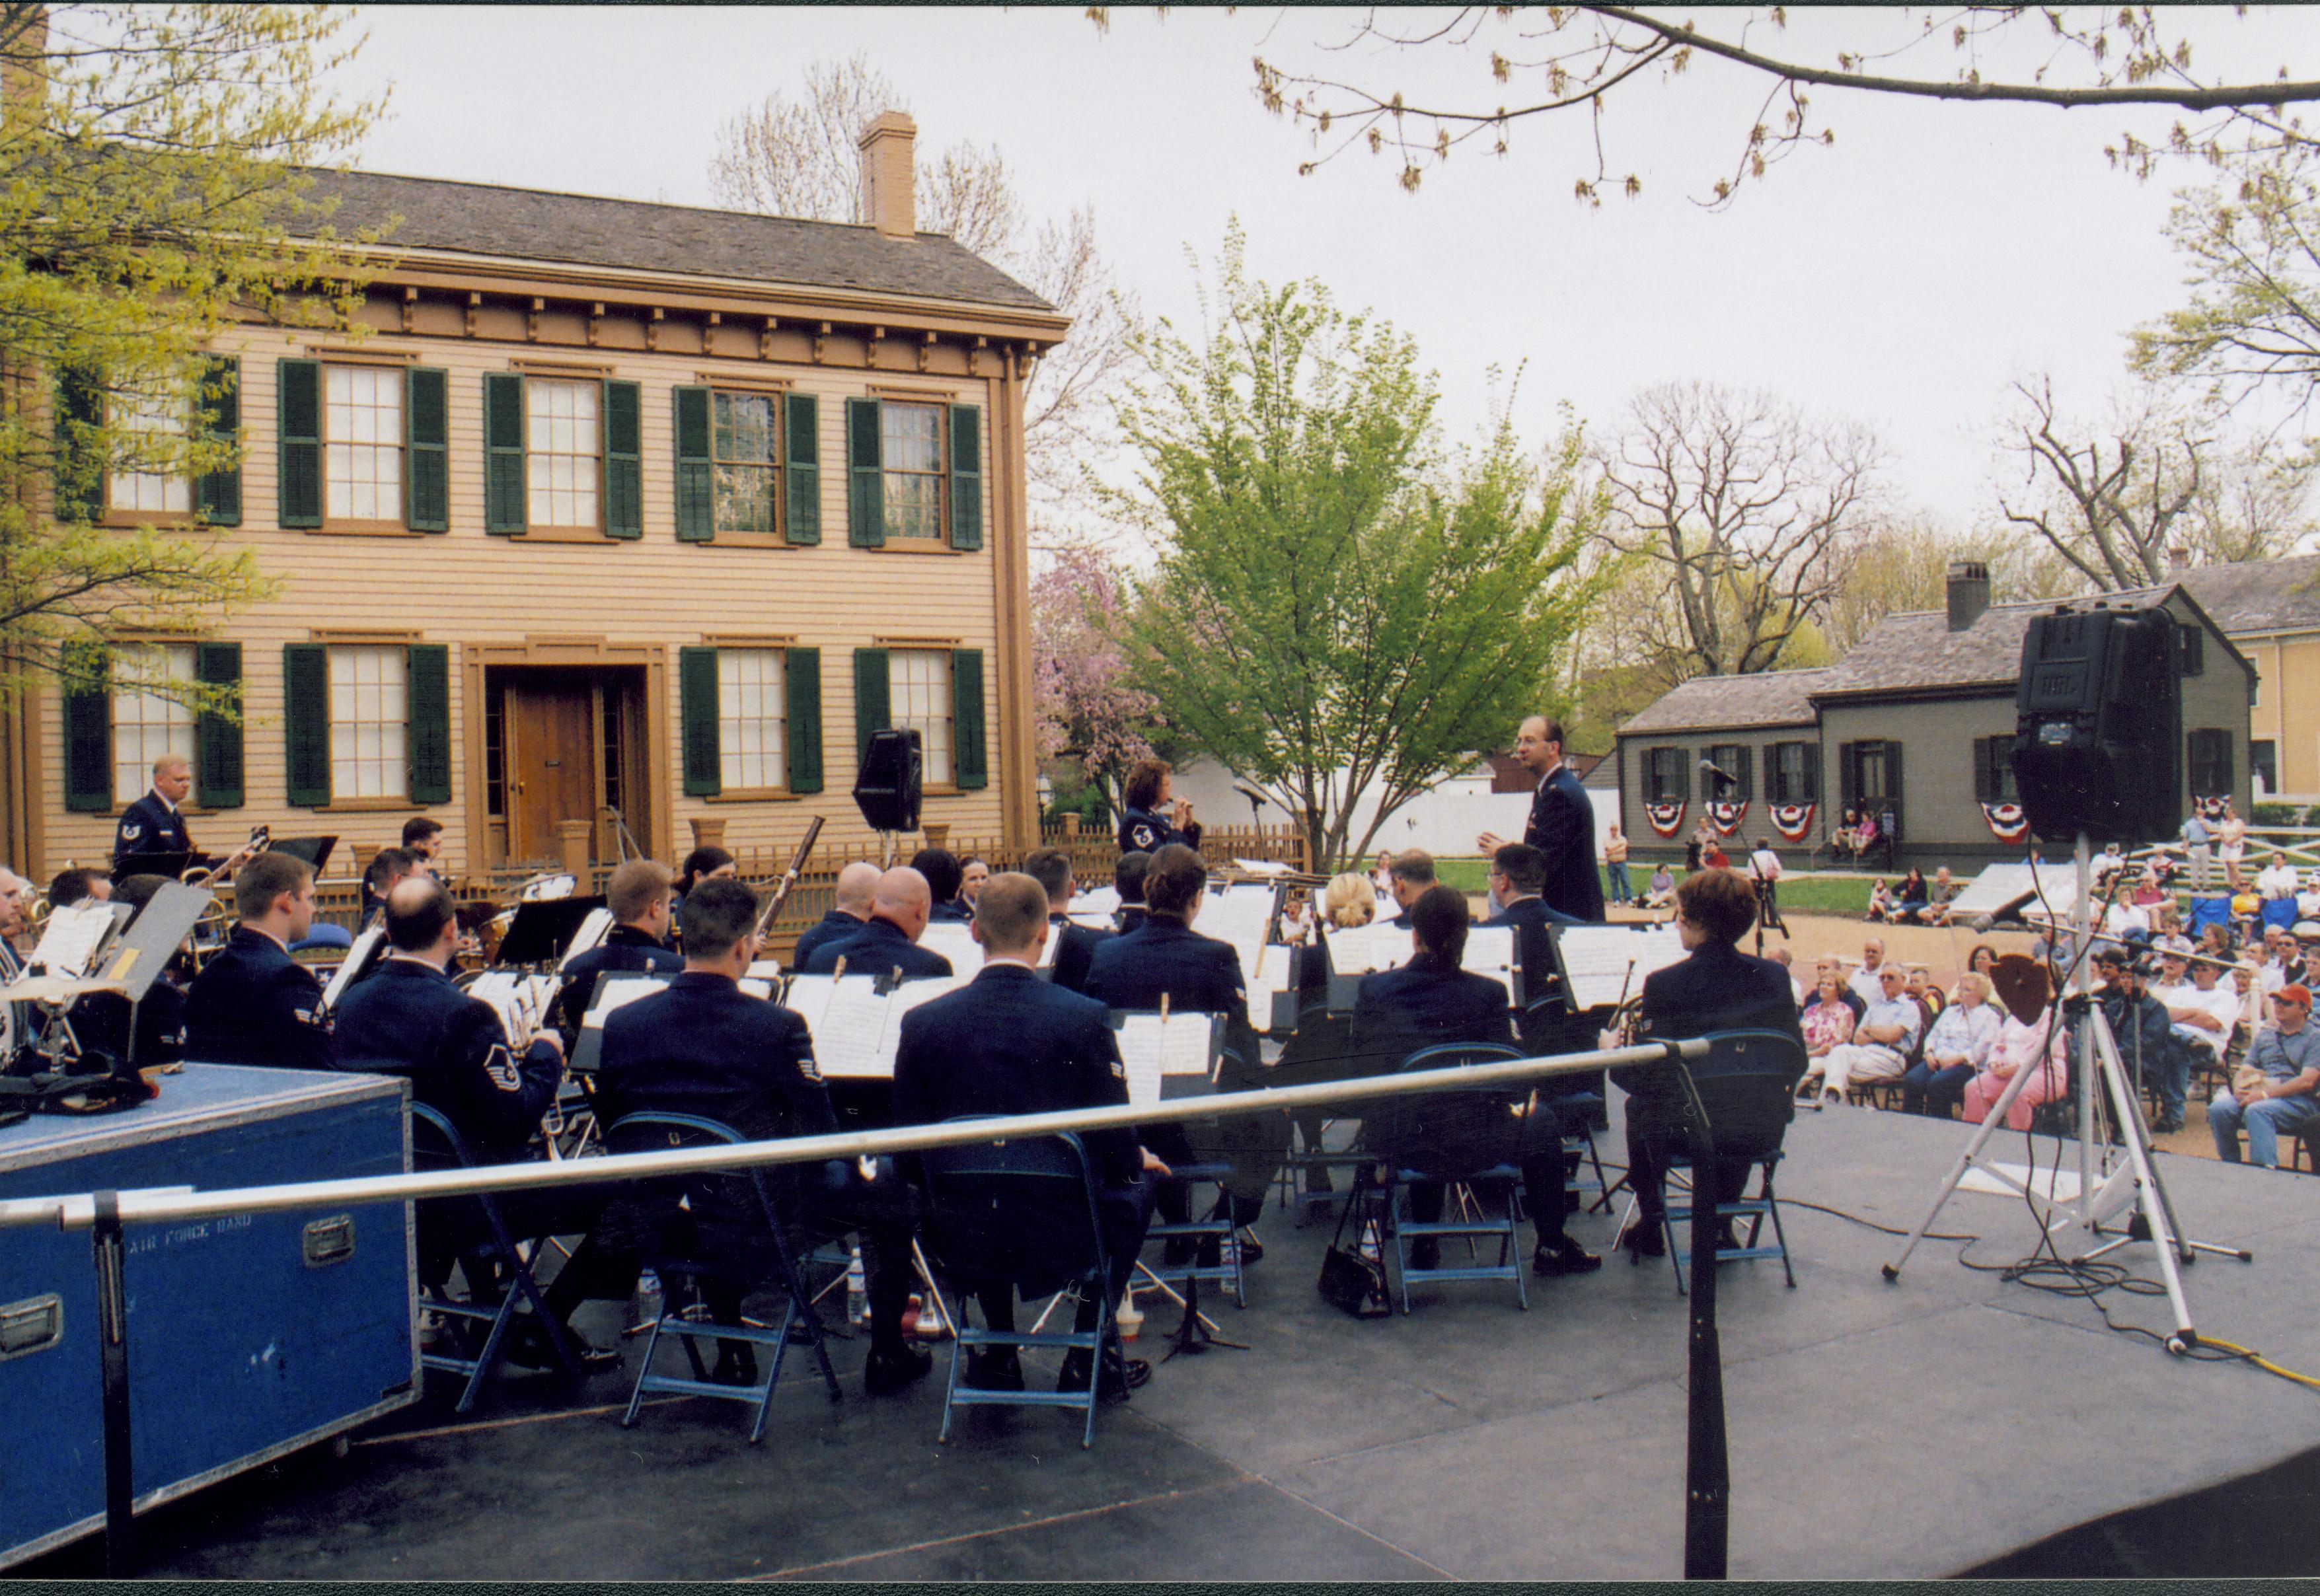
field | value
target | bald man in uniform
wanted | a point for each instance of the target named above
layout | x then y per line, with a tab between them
889	939
858	885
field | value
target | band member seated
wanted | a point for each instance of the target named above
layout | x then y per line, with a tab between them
702	864
889	940
422	839
1164	957
253	1004
411	1020
858	884
1075	945
705	1047
387	868
973	873
1717	989
944	876
1128	880
155	826
101	1019
1431	1001
80	884
1154	815
1408	878
637	895
1009	1043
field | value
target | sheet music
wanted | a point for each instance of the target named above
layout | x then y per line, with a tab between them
766	969
617	993
592	933
1268	973
521	1002
954	941
72	936
757	986
907	997
809	996
1358	950
847	1043
1152	1047
358	956
1491	951
1238	915
1262	867
1095	919
1100	901
1596	959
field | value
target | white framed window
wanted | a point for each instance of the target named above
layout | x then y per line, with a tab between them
752	717
147	492
145	725
919	695
362	443
747	449
370	717
564	444
913	442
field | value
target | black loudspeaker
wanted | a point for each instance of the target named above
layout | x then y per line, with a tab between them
887	789
2099	732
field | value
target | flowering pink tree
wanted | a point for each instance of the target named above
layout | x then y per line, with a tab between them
1084	704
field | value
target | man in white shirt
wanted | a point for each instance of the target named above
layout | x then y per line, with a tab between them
1864	980
1765	865
2204	1010
2276	879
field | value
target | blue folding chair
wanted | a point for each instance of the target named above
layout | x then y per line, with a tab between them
2207	912
1747	1087
654	1132
1461	1136
475	1220
2279	912
973	1189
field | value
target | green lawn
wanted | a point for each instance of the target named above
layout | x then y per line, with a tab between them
1806	895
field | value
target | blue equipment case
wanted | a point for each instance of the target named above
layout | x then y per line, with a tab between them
249	1336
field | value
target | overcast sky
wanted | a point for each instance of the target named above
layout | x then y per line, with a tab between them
1904	277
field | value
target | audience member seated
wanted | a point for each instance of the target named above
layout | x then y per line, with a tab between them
1880	901
2276	879
1867	979
2139	1022
1881	1042
2204	1010
888	941
1910	898
1956	1048
1661	891
1928	996
2042	1044
1828	1020
2272	1093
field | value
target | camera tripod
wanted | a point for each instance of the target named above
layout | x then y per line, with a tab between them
2133	1184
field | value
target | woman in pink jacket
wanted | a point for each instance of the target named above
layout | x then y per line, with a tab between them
2017	1048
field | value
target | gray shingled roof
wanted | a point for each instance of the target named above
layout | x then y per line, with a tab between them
2259	595
1914	651
1715	703
587	229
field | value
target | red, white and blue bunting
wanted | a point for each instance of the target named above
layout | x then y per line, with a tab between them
2007	822
1727	817
1793	821
1667	819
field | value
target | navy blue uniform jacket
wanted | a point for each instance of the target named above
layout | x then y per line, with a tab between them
837	922
1198	974
625	950
1008	1042
149	825
1563	828
1427	1002
1143	832
409	1019
253	1004
1717	988
705	1047
1076	947
876	949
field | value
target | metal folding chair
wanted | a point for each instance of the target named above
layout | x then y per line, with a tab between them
1466	1136
647	1131
972	1189
436	1143
1747	1087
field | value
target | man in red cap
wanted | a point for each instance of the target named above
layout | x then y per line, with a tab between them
2288	1052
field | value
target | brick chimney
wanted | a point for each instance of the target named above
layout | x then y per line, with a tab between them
1968	585
889	174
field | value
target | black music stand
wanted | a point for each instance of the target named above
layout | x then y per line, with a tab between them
172	864
541	930
315	850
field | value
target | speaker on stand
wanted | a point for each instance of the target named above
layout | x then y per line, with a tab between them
887	788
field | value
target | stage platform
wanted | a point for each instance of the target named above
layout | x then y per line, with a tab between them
1947	1424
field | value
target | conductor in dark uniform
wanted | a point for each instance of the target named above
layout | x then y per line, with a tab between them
1427	1003
409	1019
858	884
638	895
889	940
1562	824
253	1004
1009	1043
1717	988
1075	945
155	826
705	1047
1154	817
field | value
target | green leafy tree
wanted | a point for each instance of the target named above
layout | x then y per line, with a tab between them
1343	610
149	195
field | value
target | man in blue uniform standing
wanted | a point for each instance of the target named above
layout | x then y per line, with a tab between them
888	941
705	1047
154	824
1562	824
638	895
1009	1043
253	1004
858	885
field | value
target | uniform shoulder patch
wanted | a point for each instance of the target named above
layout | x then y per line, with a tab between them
807	1067
131	831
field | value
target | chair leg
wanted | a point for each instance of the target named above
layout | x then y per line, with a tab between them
644	1367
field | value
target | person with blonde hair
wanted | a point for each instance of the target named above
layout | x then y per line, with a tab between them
1347	901
1955	1049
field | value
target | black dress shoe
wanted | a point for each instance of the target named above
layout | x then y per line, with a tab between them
1426	1253
993	1369
1644	1240
889	1372
1120	1376
1176	1251
1563	1257
529	1347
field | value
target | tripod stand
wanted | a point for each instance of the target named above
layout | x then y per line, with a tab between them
2134	1183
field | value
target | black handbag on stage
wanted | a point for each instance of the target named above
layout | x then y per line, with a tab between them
1349	1281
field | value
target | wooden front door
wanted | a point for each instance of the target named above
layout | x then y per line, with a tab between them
551	762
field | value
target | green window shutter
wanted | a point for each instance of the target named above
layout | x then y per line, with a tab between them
965	476
972	765
872	703
217	494
79	472
87	682
801	470
804	706
306	724
298	412
217	738
1811	794
427	452
427	741
624	463
503	467
1848	777
865	474
696	693
696	477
